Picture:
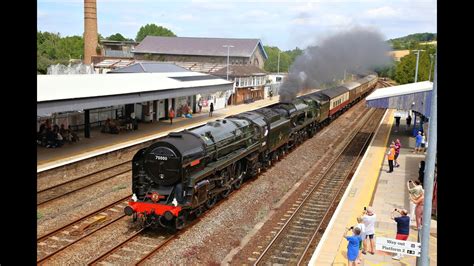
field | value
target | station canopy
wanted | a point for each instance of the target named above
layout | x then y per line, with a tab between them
412	96
66	93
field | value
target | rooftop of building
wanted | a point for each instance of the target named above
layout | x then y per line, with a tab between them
199	46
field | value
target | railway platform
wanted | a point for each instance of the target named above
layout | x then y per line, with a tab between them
100	143
371	185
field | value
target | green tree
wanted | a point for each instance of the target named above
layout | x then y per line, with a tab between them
411	41
118	37
153	30
71	47
286	58
405	70
387	71
53	49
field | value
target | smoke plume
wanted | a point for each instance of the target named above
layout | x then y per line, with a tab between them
355	51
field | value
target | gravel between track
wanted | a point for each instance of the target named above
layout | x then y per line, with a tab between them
63	210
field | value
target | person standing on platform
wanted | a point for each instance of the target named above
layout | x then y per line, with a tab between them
418	140
200	104
398	145
416	194
403	228
211	109
353	245
391	157
421	171
369	218
397	122
408	121
361	226
171	115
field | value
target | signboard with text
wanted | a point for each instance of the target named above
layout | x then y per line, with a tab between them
398	246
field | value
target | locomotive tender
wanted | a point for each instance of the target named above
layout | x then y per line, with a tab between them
181	175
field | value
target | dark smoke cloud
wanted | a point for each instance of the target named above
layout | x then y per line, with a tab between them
355	51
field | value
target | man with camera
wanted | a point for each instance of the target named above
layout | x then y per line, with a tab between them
368	217
403	227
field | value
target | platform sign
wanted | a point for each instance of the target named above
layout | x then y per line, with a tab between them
398	246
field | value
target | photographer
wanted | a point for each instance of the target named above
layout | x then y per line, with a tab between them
368	217
353	245
403	227
361	226
416	194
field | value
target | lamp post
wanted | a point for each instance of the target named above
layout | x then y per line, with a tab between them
279	62
228	49
431	65
429	173
417	59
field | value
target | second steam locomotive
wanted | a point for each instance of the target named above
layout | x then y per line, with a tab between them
181	175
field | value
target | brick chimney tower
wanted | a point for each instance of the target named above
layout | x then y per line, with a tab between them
90	30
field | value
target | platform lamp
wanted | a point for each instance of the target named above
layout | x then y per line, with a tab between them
417	60
431	65
228	51
428	179
278	68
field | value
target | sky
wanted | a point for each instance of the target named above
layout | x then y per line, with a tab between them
283	23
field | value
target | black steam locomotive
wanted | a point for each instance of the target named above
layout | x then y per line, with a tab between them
183	174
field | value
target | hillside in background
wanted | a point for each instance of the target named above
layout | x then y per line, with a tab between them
411	41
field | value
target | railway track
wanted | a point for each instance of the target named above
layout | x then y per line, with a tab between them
384	83
135	249
58	191
61	238
290	244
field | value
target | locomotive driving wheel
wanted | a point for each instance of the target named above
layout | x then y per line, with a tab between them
211	202
226	192
239	176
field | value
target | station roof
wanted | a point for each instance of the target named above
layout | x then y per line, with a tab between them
63	93
149	67
199	46
412	96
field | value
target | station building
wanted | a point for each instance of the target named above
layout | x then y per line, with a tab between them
143	91
249	82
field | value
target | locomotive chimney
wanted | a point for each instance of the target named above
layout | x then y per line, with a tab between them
90	30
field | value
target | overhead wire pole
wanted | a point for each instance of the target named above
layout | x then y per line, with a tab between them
279	62
416	69
429	173
431	66
228	51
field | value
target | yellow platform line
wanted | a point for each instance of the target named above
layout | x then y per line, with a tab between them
365	182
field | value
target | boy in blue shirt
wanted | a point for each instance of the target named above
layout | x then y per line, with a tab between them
418	141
